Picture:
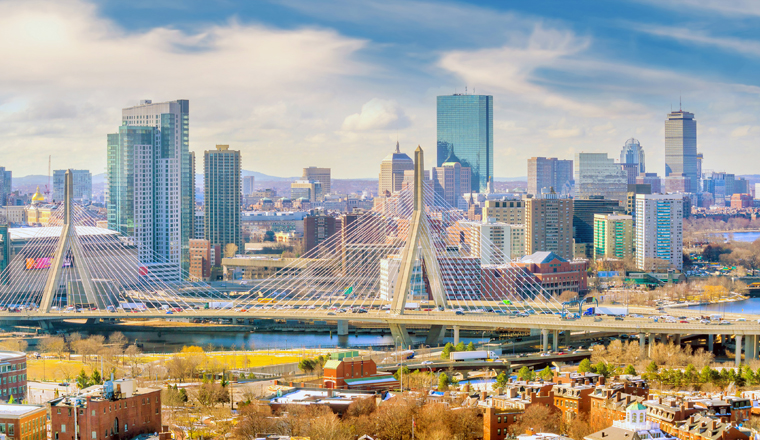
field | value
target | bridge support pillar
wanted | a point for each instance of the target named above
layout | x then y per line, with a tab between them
401	335
456	334
750	347
567	334
545	339
710	343
642	345
738	357
555	340
677	339
651	343
342	327
436	335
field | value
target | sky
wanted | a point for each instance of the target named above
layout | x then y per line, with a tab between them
335	83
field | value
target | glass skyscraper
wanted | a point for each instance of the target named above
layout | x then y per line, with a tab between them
465	128
681	146
150	179
221	170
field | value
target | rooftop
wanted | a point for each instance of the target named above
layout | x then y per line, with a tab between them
18	410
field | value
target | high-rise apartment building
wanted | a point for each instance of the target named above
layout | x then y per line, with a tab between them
700	160
150	193
248	185
82	185
450	181
199	225
547	173
659	231
598	175
392	171
465	128
321	175
6	183
633	190
583	220
613	236
681	146
549	225
510	211
494	242
222	173
317	229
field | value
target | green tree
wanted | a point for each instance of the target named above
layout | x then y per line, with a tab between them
707	374
460	346
447	349
83	381
749	376
630	370
405	370
604	369
526	373
443	382
96	379
501	380
470	347
307	365
546	374
690	374
584	366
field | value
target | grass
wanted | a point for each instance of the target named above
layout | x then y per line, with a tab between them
54	369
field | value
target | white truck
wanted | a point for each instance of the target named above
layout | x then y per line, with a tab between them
611	311
472	355
221	305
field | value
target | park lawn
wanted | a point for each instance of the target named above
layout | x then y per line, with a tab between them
54	369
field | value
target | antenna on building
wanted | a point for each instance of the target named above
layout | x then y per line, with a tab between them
679	102
465	90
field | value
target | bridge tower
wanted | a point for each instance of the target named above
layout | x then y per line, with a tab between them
419	245
68	242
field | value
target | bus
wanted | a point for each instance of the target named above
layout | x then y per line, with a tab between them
266	300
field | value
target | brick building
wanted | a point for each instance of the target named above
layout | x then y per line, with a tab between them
116	410
359	372
700	427
505	409
556	274
741	201
23	422
573	400
200	260
12	375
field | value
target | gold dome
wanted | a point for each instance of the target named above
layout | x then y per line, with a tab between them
37	197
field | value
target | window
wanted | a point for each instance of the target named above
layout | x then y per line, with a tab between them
94	435
63	428
56	435
59	410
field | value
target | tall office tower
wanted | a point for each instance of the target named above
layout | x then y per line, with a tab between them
677	183
321	175
633	190
598	175
583	221
221	176
150	193
546	173
451	181
549	225
465	127
651	179
199	226
510	211
681	145
317	229
659	231
6	184
248	185
613	236
310	190
632	160
392	171
82	185
700	159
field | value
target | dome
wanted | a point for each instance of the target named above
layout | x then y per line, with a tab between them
37	197
632	143
398	156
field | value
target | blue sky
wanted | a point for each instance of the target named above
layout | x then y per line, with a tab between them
295	83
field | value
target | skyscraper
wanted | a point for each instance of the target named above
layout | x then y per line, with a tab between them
82	185
321	175
150	194
392	171
221	170
632	153
613	236
451	181
248	185
681	146
6	180
659	231
598	175
465	127
549	225
546	173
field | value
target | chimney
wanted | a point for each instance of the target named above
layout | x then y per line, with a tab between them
483	395
714	424
602	380
659	400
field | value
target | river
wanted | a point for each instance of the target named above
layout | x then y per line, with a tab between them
746	236
750	306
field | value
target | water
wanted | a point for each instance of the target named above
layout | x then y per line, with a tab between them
742	236
749	306
171	341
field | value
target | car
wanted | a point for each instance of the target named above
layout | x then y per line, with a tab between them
740	319
619	318
546	353
458	312
331	313
426	363
724	323
683	321
169	312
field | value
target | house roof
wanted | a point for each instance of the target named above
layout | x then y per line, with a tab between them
636	406
541	257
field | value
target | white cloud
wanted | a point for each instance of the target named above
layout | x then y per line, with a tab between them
730	8
746	47
377	114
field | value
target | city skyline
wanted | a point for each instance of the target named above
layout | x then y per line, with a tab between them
549	100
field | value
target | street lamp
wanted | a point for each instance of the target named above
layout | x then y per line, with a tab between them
401	364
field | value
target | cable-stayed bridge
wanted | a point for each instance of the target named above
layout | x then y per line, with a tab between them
413	249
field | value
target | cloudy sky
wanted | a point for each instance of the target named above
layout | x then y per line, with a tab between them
294	83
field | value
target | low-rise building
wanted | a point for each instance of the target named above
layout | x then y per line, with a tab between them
23	422
573	400
359	372
116	410
701	427
12	376
635	426
556	274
